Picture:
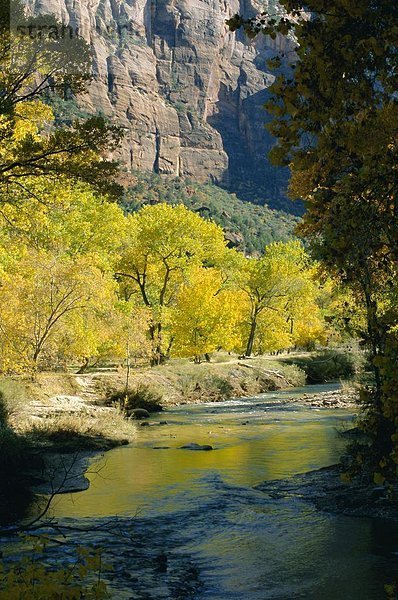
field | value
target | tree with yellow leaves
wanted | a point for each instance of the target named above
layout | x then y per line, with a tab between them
32	145
39	298
205	315
274	284
163	243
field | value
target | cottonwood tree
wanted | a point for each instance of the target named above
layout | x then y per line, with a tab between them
57	290
39	298
205	315
164	242
272	284
70	218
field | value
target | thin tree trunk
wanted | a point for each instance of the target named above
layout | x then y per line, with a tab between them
84	366
250	341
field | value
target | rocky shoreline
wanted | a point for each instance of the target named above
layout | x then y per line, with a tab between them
331	399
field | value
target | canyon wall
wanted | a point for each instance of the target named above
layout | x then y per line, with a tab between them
188	92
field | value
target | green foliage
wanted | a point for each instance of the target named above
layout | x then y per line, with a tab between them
66	110
329	365
143	396
29	576
258	225
391	590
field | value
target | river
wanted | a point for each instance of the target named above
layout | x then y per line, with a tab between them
223	539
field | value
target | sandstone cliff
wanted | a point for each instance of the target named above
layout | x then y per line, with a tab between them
188	92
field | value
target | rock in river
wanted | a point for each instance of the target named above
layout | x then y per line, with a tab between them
139	413
196	447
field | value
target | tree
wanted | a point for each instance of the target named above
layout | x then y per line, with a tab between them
336	122
205	316
272	283
30	66
64	217
57	289
163	243
39	298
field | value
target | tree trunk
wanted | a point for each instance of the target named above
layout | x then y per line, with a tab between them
158	356
250	341
84	366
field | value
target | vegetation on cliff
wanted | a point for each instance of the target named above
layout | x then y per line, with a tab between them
249	227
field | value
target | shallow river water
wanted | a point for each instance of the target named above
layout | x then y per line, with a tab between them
237	542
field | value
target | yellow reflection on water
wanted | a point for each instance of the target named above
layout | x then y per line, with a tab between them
140	479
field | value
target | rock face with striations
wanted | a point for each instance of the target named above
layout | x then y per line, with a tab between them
188	92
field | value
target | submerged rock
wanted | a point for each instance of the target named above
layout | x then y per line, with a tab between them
193	446
139	413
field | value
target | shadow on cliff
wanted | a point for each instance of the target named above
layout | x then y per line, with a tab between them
241	123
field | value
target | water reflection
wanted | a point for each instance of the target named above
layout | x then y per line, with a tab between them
247	545
252	444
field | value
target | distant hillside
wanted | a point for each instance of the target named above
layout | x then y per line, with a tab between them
248	226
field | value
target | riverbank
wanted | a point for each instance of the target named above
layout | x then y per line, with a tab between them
65	418
68	411
327	491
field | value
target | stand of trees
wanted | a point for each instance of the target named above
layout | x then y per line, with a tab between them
81	280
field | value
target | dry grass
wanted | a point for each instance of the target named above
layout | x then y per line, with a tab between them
95	427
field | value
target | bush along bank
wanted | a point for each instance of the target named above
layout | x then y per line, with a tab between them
327	365
17	458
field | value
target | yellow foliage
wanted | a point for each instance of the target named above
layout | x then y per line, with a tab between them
205	315
39	299
29	578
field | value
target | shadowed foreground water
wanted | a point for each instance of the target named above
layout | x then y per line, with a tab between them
199	508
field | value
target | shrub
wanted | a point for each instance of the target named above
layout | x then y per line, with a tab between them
141	397
294	374
329	365
220	386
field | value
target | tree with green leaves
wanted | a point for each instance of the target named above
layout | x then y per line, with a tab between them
335	118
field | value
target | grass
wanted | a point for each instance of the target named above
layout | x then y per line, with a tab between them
225	377
91	430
